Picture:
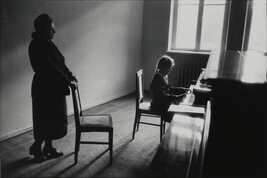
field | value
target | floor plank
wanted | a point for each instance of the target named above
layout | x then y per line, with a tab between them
131	158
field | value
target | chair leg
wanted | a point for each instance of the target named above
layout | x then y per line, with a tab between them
77	146
136	120
110	146
164	127
161	128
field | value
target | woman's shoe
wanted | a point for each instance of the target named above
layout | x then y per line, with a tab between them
52	153
37	153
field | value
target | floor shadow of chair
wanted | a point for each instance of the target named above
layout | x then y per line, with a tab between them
11	168
126	154
118	150
65	169
85	166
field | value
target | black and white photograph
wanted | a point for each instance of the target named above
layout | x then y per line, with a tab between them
133	88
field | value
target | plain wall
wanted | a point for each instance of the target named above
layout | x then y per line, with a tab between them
101	42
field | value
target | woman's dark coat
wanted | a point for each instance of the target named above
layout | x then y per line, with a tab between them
50	85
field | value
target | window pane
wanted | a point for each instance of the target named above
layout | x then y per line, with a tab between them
212	27
259	1
186	26
188	1
215	2
258	37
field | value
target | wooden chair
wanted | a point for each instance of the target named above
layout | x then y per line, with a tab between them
90	123
143	108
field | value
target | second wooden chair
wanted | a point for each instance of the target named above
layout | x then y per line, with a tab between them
143	108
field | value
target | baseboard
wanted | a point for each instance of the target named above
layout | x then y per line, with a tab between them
106	100
18	132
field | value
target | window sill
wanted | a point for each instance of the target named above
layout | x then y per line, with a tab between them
189	52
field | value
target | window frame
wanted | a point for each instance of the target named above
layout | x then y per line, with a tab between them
246	34
173	25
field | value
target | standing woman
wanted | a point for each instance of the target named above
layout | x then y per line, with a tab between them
50	86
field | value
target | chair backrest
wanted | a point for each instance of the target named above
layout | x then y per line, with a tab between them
139	87
77	106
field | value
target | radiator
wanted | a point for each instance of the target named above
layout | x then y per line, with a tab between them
185	75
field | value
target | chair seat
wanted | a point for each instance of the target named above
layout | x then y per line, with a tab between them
97	121
145	107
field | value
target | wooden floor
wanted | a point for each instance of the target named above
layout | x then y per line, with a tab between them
131	158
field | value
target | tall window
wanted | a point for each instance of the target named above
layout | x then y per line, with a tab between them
198	25
255	36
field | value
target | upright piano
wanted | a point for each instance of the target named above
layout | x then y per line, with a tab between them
237	138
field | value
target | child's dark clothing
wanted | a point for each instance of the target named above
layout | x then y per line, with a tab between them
163	95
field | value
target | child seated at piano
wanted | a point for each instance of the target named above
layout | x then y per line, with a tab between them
163	95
